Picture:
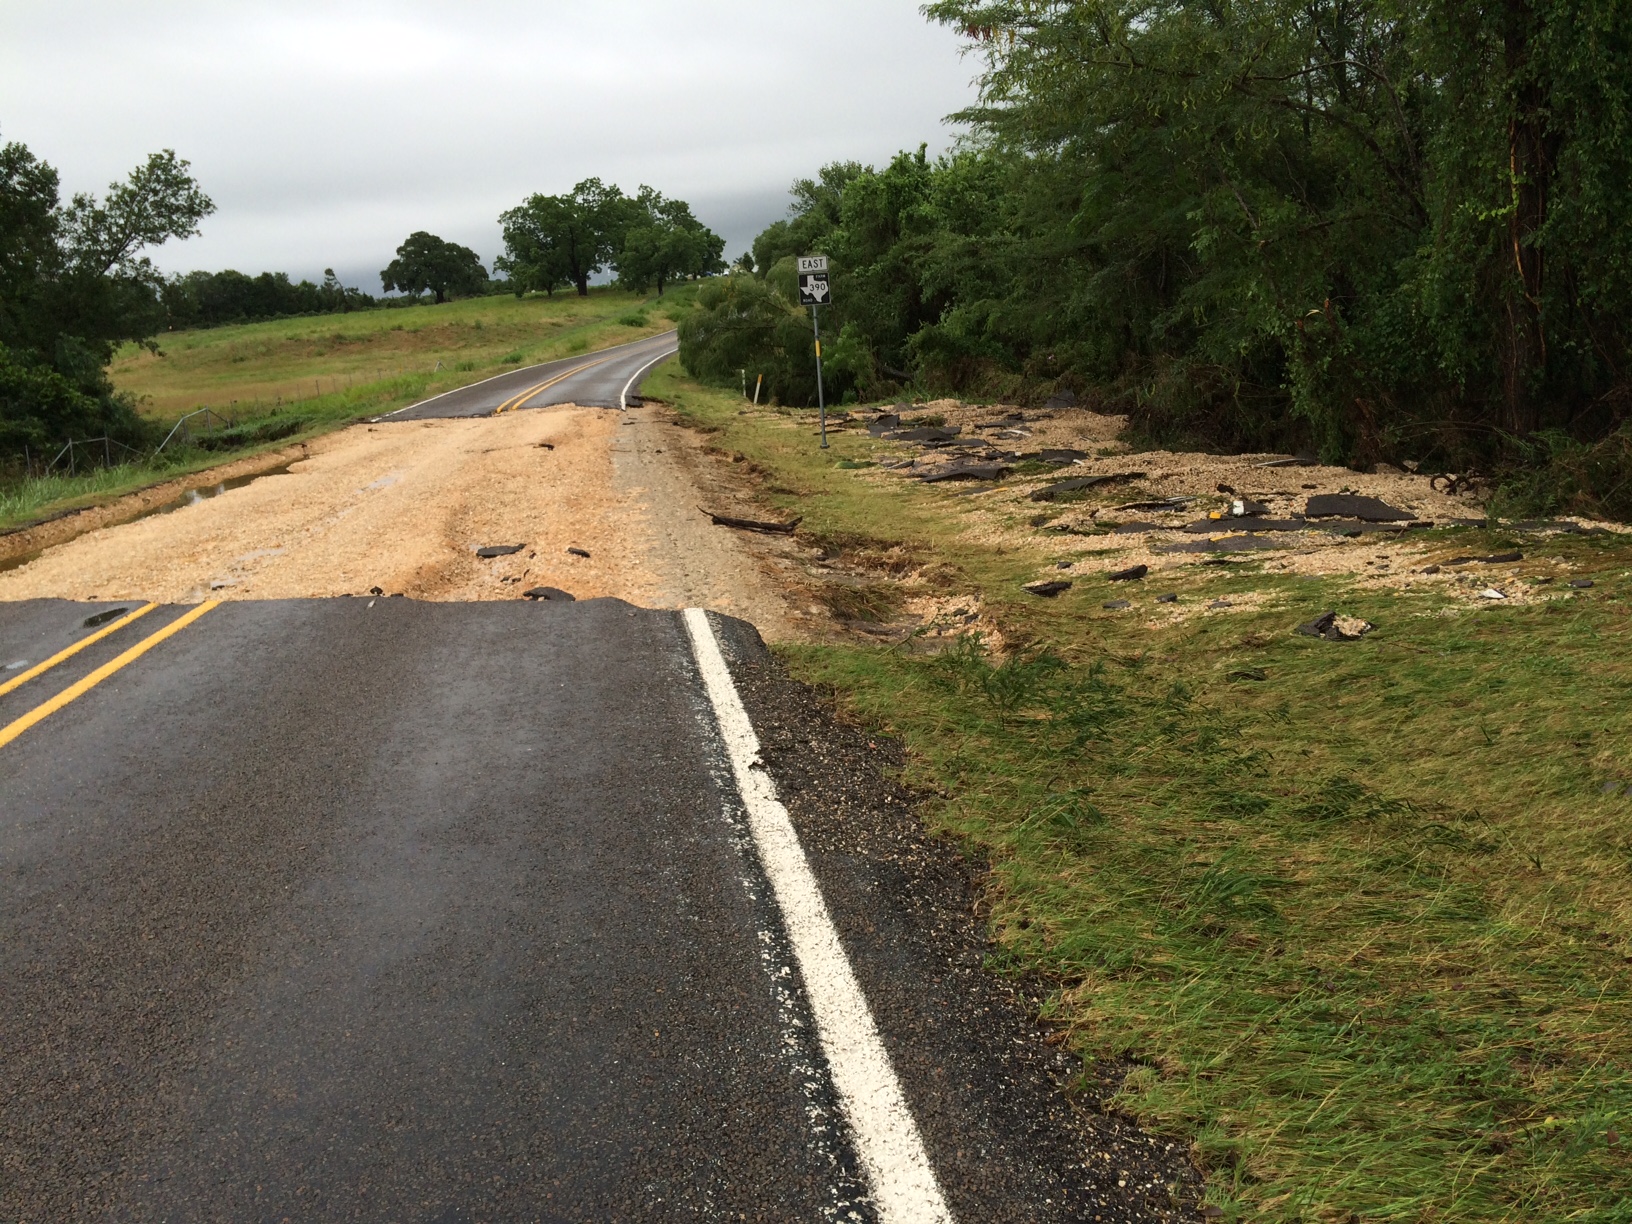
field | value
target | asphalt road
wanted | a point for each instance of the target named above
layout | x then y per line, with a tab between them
607	379
386	910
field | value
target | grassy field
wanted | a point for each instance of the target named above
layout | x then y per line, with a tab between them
289	379
1358	916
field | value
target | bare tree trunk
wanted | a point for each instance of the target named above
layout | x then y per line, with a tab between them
1532	151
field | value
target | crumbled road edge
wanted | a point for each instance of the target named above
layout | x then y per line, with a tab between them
967	1042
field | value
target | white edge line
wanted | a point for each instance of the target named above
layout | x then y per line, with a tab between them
623	396
509	373
886	1137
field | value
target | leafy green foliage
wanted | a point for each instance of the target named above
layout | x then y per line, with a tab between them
663	241
426	263
74	284
1384	231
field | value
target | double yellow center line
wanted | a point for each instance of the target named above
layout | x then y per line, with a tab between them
516	401
78	689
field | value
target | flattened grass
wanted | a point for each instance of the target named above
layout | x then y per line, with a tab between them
1358	914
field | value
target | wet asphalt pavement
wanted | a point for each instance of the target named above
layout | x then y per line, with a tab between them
606	379
386	910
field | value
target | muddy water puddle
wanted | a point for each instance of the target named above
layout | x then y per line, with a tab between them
193	497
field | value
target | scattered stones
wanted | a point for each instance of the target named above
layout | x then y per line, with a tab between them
1170	597
553	594
499	550
1352	505
1128	575
1116	605
1047	589
1582	584
579	552
1336	628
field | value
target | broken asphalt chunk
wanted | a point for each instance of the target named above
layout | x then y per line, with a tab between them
499	550
1170	597
924	433
1336	628
1352	505
1047	589
553	594
579	552
966	471
1116	605
102	618
1078	483
1207	526
1581	584
1131	574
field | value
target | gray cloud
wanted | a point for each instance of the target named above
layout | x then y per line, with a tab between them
327	131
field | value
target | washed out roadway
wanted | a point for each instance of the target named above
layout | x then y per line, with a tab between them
393	910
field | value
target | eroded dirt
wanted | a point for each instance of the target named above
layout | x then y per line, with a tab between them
402	507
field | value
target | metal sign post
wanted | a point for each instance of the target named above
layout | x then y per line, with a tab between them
815	292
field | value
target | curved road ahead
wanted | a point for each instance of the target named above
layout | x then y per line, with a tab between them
607	379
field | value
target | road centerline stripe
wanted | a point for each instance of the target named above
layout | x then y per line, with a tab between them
78	689
39	669
515	403
886	1137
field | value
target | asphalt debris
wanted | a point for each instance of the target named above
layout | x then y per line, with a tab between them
1047	588
1170	597
1132	574
1078	483
1116	605
1334	627
1353	505
552	594
579	552
102	618
499	550
1582	584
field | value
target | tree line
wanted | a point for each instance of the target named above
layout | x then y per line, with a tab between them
1382	230
558	241
214	299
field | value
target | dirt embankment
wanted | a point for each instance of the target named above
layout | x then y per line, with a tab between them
402	507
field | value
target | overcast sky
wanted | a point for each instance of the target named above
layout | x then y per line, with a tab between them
327	132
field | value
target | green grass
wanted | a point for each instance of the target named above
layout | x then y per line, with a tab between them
291	379
1361	928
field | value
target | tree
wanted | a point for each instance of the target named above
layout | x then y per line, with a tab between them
74	284
663	240
550	240
426	263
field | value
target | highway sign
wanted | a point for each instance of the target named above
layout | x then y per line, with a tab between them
812	263
813	289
